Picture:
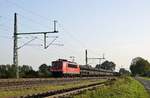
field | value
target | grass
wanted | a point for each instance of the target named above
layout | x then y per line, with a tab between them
43	88
126	87
147	78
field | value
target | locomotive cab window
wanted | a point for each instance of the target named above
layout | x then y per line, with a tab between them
72	66
56	64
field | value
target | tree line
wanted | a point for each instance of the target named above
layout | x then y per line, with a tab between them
140	66
106	65
25	71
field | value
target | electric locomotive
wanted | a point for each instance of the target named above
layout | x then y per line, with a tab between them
62	67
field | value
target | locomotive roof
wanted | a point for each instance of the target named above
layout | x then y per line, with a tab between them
66	61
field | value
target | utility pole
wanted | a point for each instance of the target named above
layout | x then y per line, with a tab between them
16	48
15	52
86	58
97	59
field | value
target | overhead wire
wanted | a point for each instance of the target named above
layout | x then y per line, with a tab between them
36	14
27	10
33	21
4	29
82	45
6	37
71	36
41	17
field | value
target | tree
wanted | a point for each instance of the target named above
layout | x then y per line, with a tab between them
44	71
107	65
11	71
27	72
139	66
3	71
7	71
98	66
123	71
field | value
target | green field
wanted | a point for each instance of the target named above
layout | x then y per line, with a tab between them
125	87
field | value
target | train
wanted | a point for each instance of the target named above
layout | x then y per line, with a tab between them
63	68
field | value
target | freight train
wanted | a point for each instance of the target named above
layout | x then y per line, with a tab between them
62	68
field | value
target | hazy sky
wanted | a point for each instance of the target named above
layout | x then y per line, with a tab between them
118	28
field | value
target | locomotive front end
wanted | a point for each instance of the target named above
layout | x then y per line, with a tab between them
57	68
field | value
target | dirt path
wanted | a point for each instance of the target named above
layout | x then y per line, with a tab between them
145	82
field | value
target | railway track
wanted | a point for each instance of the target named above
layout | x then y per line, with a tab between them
27	83
75	91
64	86
66	93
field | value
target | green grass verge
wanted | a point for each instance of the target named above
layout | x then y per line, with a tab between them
147	78
43	88
126	87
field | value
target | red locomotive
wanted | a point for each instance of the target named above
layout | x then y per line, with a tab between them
63	67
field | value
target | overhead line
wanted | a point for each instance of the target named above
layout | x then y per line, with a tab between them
27	10
33	21
83	45
31	12
6	37
72	36
4	29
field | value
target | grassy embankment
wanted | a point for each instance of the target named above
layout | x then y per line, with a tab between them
44	88
147	78
125	87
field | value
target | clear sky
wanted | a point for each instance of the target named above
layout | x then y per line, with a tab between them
118	28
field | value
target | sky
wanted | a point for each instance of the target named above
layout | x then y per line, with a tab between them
117	28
